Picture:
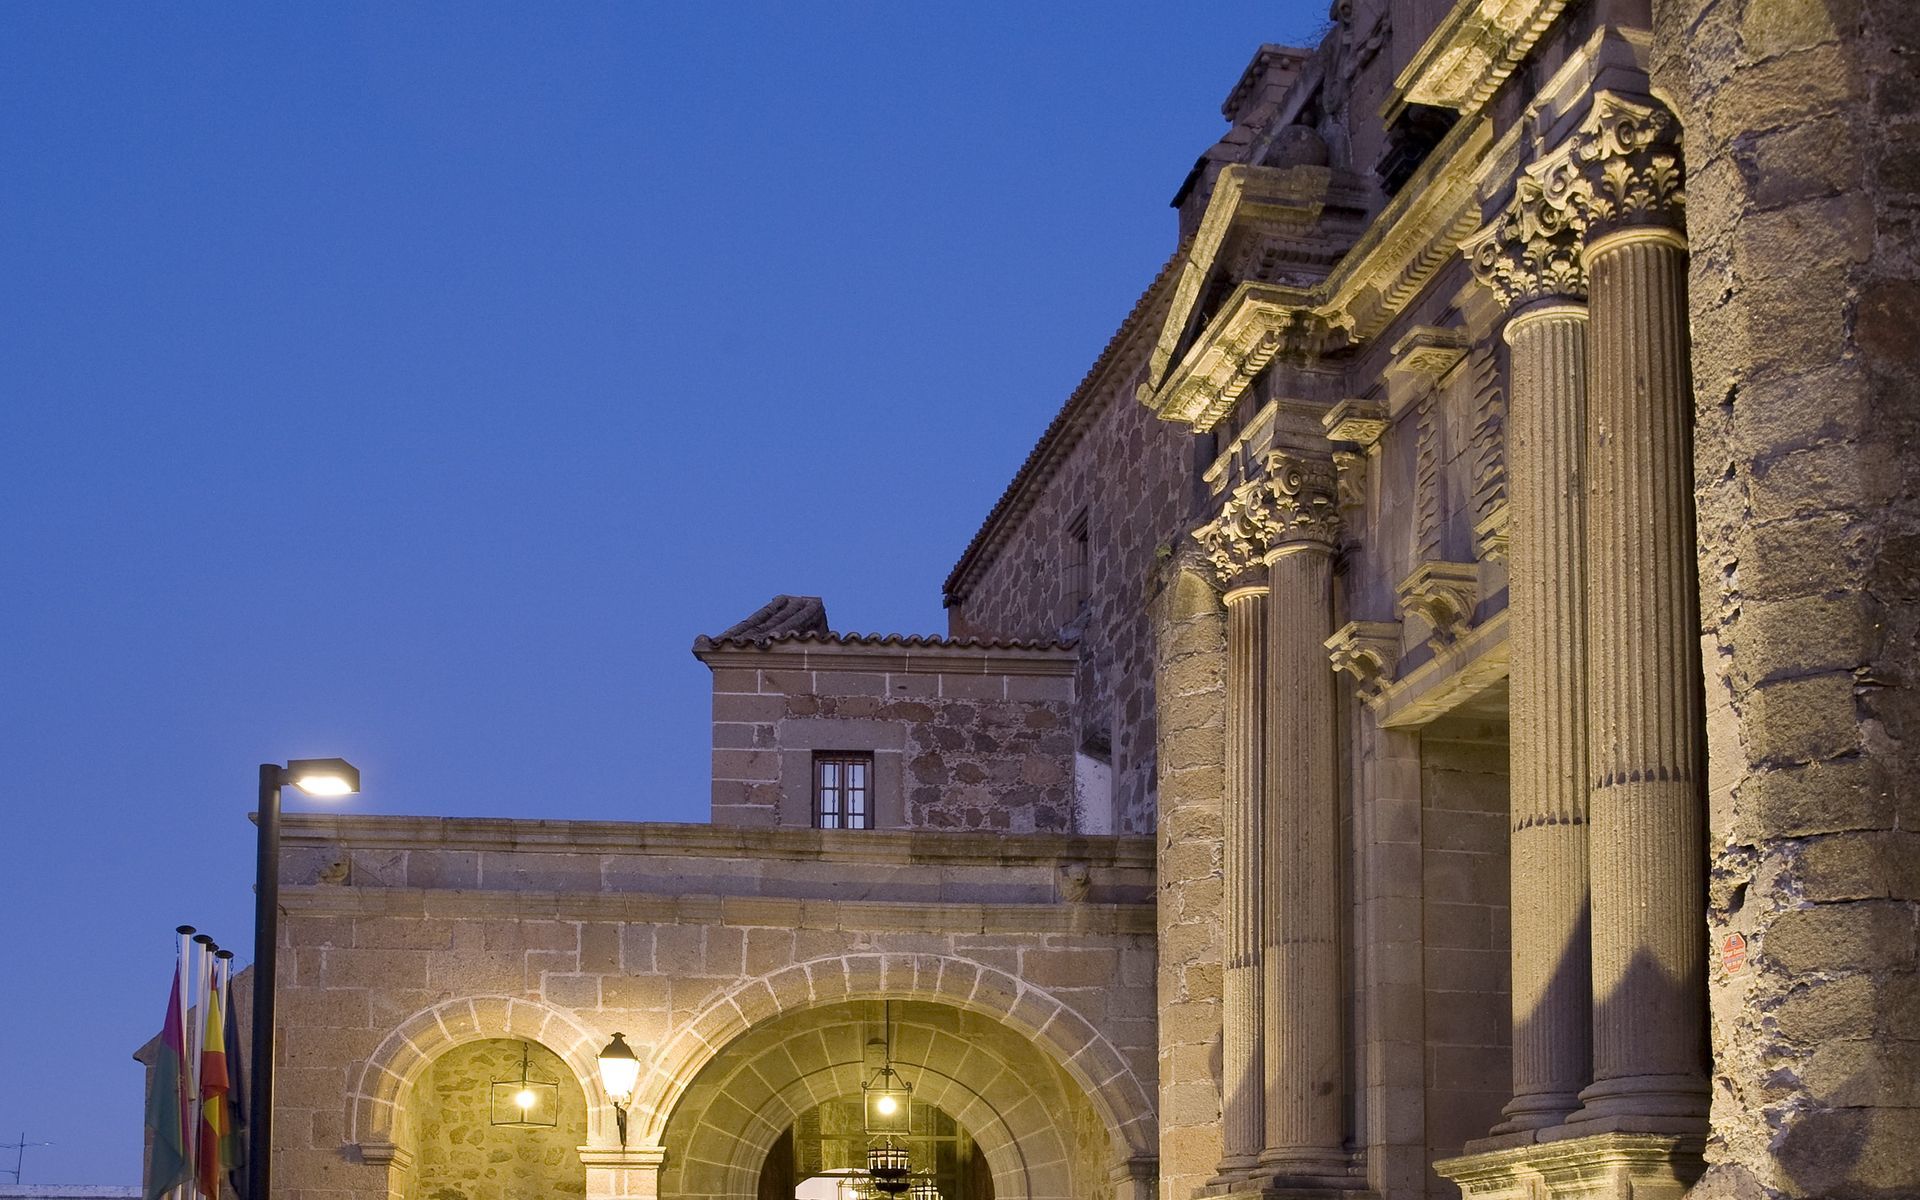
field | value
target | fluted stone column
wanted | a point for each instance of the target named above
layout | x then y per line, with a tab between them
1305	1056
1547	623
1243	1074
1529	257
1646	721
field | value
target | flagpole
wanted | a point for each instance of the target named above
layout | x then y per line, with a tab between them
197	1030
183	968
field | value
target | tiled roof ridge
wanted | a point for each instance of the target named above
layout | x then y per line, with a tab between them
1061	433
932	641
779	616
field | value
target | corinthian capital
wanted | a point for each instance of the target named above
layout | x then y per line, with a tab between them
1531	251
1301	500
1630	155
1235	542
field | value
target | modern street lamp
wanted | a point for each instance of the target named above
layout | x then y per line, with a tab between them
318	777
619	1072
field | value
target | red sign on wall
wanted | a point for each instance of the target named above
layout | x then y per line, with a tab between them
1733	953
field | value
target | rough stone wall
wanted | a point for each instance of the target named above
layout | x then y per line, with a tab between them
461	1155
1191	635
1468	1015
1132	475
1803	163
951	750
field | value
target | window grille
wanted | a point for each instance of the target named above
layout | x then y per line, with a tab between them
842	791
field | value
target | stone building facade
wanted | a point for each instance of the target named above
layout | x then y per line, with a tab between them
1432	715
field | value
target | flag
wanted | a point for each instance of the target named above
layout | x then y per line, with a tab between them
216	1118
234	1156
166	1104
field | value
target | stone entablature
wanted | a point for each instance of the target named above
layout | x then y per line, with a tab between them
469	858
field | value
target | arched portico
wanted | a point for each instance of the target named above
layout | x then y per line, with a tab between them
1065	1039
1037	1130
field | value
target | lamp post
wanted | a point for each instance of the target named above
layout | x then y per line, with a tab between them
619	1072
319	777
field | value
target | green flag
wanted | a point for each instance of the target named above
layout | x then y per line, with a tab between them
167	1166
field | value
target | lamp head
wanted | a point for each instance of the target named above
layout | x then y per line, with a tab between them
619	1070
324	777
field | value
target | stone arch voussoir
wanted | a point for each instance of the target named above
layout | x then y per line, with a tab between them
1083	1052
379	1094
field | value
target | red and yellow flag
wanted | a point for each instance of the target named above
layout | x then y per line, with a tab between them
216	1114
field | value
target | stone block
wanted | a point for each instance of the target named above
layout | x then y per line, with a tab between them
1839	936
850	683
1801	720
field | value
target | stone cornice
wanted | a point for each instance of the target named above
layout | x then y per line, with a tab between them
714	841
1472	52
1400	251
897	657
776	911
1257	324
1282	205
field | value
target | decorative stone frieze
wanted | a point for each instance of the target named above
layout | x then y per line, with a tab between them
1369	651
1443	594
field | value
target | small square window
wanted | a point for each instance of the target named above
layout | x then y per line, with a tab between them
842	790
1075	581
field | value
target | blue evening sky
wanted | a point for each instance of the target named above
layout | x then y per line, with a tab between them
412	383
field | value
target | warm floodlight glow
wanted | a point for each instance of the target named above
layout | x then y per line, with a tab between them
525	1099
619	1069
887	1105
325	778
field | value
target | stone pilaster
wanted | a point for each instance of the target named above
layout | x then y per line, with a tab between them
1646	718
1529	259
1304	1049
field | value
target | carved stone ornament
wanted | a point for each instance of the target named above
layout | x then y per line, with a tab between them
1622	168
1443	594
1630	153
1362	422
1350	470
1531	251
1369	651
1235	541
1302	500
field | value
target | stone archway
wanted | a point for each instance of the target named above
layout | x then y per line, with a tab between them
1065	1038
376	1105
1037	1130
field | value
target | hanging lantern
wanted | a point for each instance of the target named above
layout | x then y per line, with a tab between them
889	1103
887	1098
889	1168
924	1188
524	1101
